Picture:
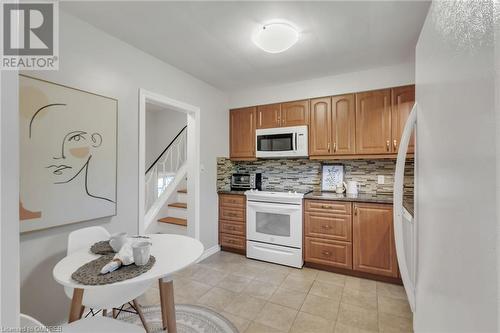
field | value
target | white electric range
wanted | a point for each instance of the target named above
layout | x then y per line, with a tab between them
274	227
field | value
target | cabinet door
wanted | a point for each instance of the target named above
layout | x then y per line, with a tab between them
242	133
373	122
343	125
268	116
320	127
403	99
295	113
373	240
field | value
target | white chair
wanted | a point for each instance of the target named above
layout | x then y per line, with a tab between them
111	296
92	324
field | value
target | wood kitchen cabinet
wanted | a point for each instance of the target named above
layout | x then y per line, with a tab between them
269	116
232	222
295	113
242	133
332	126
328	235
373	122
402	100
343	125
374	250
320	129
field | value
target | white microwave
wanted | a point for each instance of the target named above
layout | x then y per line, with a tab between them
282	142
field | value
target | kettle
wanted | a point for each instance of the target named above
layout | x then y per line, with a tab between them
351	187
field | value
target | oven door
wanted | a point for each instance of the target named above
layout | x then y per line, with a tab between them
274	223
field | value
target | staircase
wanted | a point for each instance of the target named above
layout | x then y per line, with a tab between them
166	194
177	211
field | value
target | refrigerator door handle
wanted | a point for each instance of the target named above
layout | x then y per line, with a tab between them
408	281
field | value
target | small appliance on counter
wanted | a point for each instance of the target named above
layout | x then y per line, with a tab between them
246	181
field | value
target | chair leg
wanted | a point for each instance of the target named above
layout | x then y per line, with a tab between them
114	313
105	312
137	307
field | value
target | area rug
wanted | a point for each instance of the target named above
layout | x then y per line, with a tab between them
190	319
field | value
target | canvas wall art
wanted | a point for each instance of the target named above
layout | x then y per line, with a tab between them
332	175
67	155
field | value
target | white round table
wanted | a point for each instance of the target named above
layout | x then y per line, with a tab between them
172	253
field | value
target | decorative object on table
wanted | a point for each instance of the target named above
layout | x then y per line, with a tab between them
141	252
67	154
332	175
90	273
118	240
190	319
102	247
124	257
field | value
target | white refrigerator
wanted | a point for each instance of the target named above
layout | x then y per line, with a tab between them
448	254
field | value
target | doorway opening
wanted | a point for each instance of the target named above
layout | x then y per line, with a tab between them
169	164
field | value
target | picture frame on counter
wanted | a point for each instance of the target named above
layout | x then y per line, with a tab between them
332	175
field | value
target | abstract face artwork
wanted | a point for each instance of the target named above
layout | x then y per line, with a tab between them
68	155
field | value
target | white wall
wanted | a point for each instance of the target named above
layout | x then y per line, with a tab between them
9	200
161	128
94	61
382	77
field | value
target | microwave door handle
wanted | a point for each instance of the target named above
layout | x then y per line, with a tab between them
295	139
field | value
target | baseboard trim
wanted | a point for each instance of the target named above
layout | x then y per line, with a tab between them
209	252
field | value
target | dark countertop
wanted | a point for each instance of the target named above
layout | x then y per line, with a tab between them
361	197
408	203
231	192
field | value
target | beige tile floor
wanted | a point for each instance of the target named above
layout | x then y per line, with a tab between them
264	298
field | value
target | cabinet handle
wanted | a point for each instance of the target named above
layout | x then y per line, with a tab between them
356	211
328	146
326	253
335	147
395	144
326	206
387	145
326	226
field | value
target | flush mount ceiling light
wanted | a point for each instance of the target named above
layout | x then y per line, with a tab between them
276	37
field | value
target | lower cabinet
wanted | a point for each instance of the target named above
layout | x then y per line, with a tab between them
232	222
326	252
374	250
351	236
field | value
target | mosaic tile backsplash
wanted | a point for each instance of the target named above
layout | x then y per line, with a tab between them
303	175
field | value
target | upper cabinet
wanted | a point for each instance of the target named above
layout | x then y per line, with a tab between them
242	133
343	125
333	126
295	113
358	125
373	122
403	99
320	129
269	116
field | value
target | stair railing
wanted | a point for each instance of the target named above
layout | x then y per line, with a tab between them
164	168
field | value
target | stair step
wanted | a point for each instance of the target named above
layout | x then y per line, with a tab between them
173	220
178	205
184	190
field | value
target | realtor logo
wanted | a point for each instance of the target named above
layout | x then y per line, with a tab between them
29	36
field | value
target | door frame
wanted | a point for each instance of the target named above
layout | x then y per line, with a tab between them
192	162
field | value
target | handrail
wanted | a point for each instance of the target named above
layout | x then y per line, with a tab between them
165	150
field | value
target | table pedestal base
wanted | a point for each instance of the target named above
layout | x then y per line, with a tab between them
167	305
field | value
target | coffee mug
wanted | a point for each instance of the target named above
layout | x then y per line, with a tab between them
141	251
116	241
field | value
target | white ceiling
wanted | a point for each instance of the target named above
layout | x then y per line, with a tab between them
212	40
